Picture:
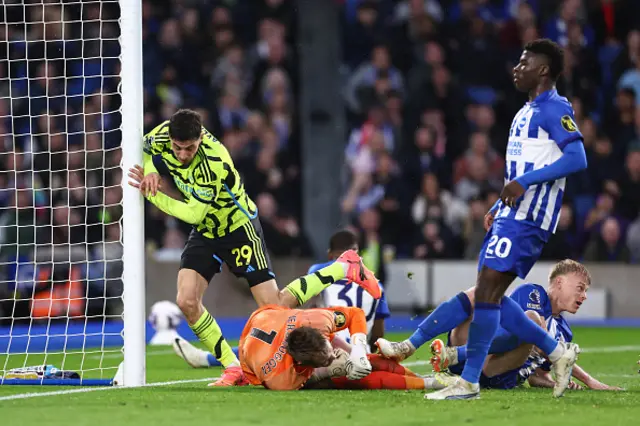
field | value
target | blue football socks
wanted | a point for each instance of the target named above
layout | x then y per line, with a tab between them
213	362
444	318
486	320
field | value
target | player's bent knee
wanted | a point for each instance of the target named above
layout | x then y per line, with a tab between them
189	306
266	293
460	334
492	285
471	294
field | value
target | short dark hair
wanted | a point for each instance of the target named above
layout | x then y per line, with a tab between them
304	342
185	125
553	52
342	241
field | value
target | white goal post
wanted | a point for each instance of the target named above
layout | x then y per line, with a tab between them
72	256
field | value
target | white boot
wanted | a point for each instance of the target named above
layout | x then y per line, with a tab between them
197	358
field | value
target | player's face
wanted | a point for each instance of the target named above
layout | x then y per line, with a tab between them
526	74
185	151
328	355
573	292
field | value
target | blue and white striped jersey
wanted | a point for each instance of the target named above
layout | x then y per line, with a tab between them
534	297
539	133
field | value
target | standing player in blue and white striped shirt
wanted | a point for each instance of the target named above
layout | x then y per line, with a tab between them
544	147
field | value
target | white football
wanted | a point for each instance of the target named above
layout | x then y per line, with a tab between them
165	315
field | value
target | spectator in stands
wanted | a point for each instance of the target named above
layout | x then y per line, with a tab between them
620	120
476	180
558	28
473	231
628	185
283	229
631	79
421	158
629	56
372	240
603	164
633	241
434	241
362	87
607	245
361	35
454	211
563	244
603	209
479	147
366	143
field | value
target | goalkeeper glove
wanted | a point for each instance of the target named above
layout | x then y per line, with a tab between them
358	365
337	368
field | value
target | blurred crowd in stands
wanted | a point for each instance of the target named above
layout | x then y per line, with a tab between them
430	101
236	63
427	93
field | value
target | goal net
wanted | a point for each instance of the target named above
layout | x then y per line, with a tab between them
62	267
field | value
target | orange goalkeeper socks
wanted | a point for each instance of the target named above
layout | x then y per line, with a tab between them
381	380
379	363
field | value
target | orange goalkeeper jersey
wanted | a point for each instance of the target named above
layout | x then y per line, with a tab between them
263	354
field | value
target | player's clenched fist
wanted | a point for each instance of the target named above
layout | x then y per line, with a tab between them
149	184
511	192
358	366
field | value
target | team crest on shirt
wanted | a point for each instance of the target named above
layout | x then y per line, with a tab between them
568	124
522	122
534	296
534	300
340	319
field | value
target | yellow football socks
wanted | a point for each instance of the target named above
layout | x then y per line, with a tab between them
304	288
209	333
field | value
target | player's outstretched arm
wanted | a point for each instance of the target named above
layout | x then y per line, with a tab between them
589	381
543	379
192	212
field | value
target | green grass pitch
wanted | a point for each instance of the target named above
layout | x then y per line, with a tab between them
609	354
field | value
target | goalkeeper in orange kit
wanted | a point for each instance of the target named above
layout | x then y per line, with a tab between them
290	349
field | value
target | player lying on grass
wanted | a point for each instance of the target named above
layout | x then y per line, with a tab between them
226	229
512	358
341	293
289	349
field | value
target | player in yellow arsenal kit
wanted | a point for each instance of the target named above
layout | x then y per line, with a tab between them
225	229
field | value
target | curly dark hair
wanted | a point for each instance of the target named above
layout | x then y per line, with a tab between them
552	51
